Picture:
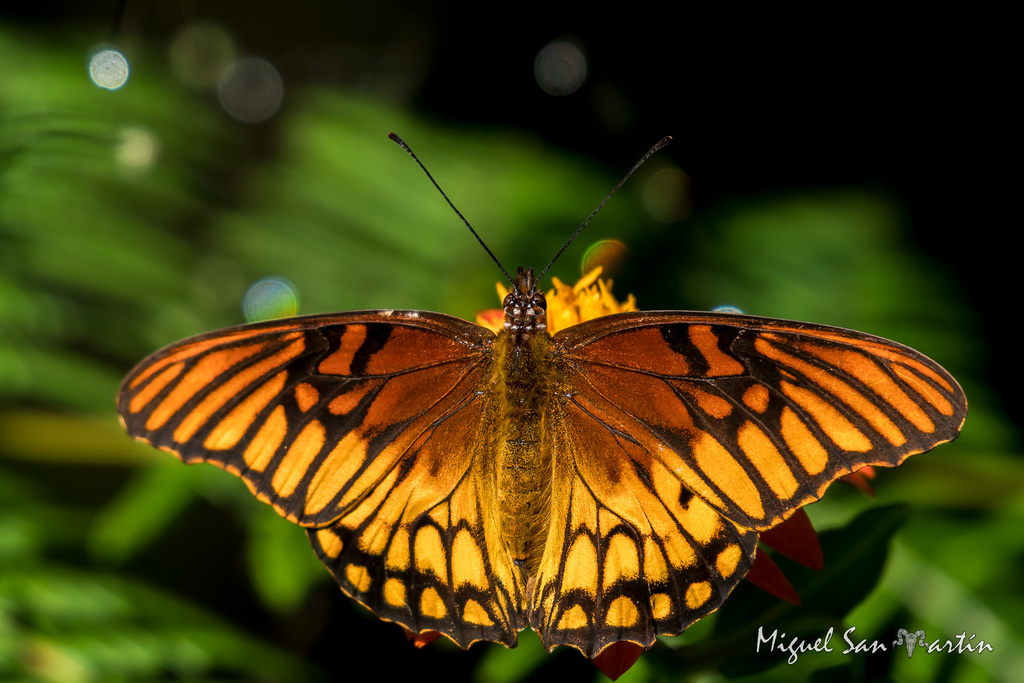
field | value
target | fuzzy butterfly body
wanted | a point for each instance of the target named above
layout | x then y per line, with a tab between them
606	483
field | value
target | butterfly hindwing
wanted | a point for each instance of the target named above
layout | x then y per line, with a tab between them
633	553
443	568
423	548
365	428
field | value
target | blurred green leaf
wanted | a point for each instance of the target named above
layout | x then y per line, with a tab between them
836	257
143	510
79	626
282	563
501	665
64	623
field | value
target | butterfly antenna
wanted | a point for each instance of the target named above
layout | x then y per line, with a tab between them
661	143
401	143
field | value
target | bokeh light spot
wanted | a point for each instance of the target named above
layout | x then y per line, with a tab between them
251	90
199	54
108	69
667	195
270	298
560	68
611	255
136	149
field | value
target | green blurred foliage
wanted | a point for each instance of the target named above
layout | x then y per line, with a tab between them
101	262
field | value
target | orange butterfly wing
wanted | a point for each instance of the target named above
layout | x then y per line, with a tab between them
673	437
369	429
677	436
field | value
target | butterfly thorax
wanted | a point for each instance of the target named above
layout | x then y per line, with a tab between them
522	379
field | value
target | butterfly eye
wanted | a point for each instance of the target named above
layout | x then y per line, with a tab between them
538	300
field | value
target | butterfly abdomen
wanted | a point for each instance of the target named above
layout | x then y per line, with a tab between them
523	468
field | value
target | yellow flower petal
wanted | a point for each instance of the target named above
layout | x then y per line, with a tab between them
591	297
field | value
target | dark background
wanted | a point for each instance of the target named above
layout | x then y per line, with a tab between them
916	104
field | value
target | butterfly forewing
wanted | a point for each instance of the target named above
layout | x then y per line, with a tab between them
757	416
364	427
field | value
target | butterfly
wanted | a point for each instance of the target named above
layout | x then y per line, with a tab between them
604	483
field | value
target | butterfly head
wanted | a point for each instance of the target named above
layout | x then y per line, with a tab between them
525	306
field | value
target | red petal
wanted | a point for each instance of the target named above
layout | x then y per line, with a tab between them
767	576
860	478
796	539
616	659
421	639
